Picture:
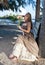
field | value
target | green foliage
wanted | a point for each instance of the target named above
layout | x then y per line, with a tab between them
14	18
15	4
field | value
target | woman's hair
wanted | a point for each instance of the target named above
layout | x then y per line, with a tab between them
29	18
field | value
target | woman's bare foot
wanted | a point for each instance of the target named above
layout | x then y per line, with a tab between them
13	58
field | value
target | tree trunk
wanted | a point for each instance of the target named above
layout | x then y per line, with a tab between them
37	16
42	33
37	10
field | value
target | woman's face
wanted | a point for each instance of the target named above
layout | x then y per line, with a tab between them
25	18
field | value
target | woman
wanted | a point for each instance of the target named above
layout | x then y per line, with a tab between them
26	47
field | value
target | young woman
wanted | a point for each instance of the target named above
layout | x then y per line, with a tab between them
26	47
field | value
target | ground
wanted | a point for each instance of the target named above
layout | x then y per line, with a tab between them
6	39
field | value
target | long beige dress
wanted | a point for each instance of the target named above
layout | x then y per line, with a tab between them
26	48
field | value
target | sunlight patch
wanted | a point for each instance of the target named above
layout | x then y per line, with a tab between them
1	37
14	37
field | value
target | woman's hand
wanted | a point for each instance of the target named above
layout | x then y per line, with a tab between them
20	27
19	17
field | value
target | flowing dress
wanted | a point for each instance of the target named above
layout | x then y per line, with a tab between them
26	47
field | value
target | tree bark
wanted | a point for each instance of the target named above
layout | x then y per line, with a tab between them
37	10
42	33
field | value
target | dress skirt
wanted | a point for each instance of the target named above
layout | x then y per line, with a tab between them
26	48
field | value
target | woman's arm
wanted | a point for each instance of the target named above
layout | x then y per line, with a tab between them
28	28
